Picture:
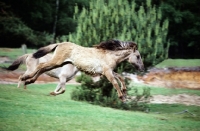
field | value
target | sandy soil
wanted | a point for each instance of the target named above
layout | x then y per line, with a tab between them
174	77
171	78
175	99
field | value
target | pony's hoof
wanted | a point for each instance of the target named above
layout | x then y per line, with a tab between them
63	91
123	99
24	78
124	92
52	93
29	82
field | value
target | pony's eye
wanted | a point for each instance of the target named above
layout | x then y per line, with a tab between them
138	57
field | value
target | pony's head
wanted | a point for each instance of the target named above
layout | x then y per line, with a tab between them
115	45
136	60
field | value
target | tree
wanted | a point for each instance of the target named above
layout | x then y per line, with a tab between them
184	28
15	32
120	20
45	19
56	19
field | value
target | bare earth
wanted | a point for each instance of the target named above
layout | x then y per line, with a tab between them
171	78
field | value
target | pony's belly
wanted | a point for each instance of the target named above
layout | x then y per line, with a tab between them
54	73
92	72
90	67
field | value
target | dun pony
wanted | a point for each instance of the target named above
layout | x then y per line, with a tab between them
99	60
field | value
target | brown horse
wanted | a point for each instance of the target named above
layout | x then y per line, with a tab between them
99	60
64	74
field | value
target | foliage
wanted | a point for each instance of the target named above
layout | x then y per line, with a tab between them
13	53
102	93
184	27
40	21
120	20
13	28
39	16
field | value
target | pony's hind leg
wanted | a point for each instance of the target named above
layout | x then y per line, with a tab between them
21	82
43	67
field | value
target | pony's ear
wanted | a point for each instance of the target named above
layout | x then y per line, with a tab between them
135	47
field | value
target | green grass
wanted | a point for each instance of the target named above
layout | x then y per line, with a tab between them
179	63
164	91
33	109
13	53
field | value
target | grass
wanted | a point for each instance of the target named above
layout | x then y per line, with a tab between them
33	109
13	53
179	63
164	91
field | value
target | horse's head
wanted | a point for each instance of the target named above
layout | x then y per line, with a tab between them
136	60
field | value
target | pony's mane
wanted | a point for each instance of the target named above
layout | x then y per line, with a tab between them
116	45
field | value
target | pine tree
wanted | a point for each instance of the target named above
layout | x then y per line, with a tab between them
119	19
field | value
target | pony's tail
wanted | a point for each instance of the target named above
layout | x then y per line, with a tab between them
44	50
15	65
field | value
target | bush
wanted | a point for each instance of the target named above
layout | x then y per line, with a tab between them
102	93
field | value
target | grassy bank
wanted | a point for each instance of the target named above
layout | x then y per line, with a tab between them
13	53
179	63
33	109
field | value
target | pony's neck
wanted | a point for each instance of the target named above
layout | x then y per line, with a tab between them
121	55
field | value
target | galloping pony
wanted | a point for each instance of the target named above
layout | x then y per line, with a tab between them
64	74
98	60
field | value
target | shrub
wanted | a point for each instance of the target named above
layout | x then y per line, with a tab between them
102	93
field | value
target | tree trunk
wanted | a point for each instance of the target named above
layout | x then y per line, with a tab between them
55	21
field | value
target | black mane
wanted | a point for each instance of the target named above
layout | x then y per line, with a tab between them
116	45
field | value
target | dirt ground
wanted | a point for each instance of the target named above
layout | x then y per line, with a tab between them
168	77
173	77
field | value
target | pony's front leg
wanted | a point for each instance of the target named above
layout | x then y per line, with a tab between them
61	85
110	76
55	92
58	90
122	82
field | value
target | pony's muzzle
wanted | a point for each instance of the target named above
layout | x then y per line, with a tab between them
141	68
